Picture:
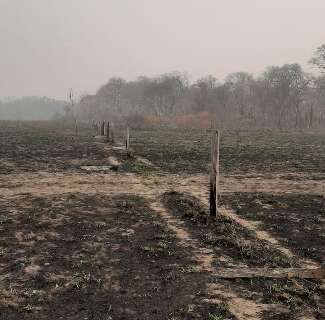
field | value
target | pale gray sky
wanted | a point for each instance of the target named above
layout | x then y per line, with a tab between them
48	46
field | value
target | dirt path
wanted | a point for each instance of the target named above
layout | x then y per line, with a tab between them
198	187
241	308
54	182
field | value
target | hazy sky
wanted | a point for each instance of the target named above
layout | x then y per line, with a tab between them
48	46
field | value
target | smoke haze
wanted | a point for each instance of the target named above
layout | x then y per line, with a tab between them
50	46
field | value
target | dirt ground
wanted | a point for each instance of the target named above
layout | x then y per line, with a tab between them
137	244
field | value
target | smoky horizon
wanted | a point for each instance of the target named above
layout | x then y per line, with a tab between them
49	47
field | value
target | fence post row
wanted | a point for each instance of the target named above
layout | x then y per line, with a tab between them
214	174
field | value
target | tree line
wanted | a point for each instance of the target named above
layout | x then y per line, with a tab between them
31	108
282	97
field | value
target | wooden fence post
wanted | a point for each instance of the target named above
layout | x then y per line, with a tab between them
107	131
112	133
102	129
76	127
98	128
94	126
214	174
127	142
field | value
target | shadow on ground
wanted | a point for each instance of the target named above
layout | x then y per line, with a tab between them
238	246
297	220
97	258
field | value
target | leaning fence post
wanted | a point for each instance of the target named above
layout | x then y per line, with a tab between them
127	142
214	174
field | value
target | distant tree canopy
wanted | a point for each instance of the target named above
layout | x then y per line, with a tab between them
281	97
319	58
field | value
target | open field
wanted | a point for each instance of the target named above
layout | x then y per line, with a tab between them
242	152
136	244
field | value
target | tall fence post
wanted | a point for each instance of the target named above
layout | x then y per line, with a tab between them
107	131
214	174
127	141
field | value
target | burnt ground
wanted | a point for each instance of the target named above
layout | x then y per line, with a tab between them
30	147
298	220
226	237
93	246
37	147
241	152
95	257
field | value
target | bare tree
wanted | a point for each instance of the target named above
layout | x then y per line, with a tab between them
319	58
286	86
